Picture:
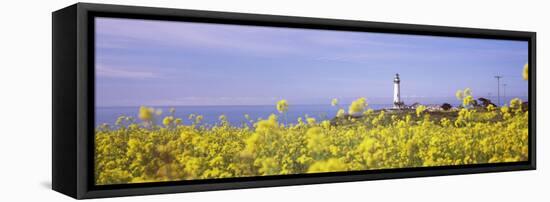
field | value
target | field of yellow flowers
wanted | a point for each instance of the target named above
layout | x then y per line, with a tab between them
140	151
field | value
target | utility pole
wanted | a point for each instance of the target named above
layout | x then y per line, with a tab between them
498	77
504	92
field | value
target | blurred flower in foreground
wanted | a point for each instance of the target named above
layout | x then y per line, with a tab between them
358	106
341	113
334	102
168	120
282	106
145	113
420	109
459	95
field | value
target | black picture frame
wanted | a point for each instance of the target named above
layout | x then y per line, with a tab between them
73	99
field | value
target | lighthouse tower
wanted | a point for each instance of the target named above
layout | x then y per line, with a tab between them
397	103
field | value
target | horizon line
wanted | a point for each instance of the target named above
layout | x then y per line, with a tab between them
274	104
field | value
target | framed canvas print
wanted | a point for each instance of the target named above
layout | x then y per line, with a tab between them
153	100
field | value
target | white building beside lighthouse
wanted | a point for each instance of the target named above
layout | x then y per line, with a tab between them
397	102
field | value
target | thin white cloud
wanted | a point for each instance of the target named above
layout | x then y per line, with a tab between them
214	101
181	34
126	73
357	39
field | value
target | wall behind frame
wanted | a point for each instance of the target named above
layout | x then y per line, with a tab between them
25	84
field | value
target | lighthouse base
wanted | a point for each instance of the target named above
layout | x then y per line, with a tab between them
398	105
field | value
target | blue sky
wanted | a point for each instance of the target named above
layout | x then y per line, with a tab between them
162	63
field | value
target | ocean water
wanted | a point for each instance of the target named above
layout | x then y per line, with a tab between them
234	114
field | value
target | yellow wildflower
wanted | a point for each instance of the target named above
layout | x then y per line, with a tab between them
358	106
515	103
420	109
334	102
145	113
310	120
341	113
468	100
467	92
282	106
459	95
198	118
168	120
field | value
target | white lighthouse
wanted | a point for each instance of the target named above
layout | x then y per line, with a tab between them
397	103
